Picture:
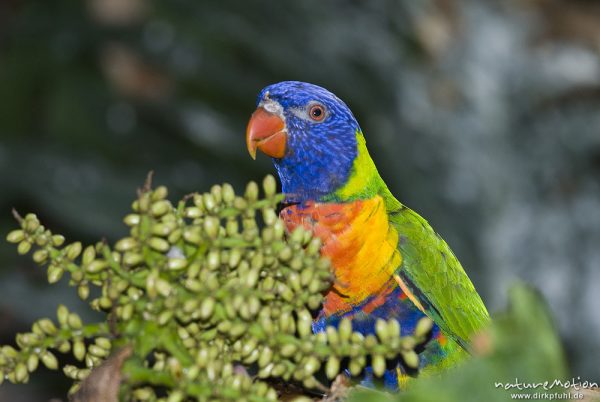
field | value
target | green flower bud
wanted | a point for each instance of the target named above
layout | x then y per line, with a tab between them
234	257
96	266
23	247
193	212
159	244
285	292
143	202
332	336
393	327
89	254
176	264
213	259
370	342
83	291
240	203
40	256
62	313
408	343
345	329
20	373
58	240
127	312
74	321
249	310
237	330
410	358
70	371
269	186
314	301
265	357
211	226
207	308
288	349
64	347
160	208
160	193
297	235
82	374
132	220
132	259
314	246
163	287
32	362
103	342
356	365
228	194
315	286
49	360
209	202
174	236
73	250
271	395
311	364
304	323
378	364
193	285
36	329
257	261
165	317
278	229
97	351
424	325
251	278
285	254
9	352
306	276
54	273
176	396
47	326
269	216
143	394
79	350
381	330
126	244
27	339
31	223
15	236
332	368
286	322
251	193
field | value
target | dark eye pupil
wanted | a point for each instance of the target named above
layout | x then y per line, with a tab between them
317	112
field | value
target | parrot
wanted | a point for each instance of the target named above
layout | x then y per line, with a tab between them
387	262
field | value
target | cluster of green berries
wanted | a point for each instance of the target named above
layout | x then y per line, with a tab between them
212	295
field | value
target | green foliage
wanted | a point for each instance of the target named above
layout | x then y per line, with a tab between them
521	343
197	294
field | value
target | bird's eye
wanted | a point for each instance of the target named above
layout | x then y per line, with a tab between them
317	112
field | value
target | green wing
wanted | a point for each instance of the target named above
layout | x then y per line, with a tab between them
431	271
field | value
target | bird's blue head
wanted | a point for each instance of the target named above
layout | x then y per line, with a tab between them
310	134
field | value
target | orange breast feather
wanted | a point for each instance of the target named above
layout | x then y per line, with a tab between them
361	245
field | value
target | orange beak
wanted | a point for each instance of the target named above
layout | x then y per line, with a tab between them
266	131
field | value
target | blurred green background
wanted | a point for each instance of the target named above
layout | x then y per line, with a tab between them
481	115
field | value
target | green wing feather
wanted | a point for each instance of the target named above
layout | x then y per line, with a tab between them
436	278
429	268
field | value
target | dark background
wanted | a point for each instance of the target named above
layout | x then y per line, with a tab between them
481	115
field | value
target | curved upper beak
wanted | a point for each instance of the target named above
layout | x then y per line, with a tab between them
266	132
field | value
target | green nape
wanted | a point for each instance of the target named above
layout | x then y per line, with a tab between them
364	181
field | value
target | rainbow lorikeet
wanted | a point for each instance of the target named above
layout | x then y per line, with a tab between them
387	261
